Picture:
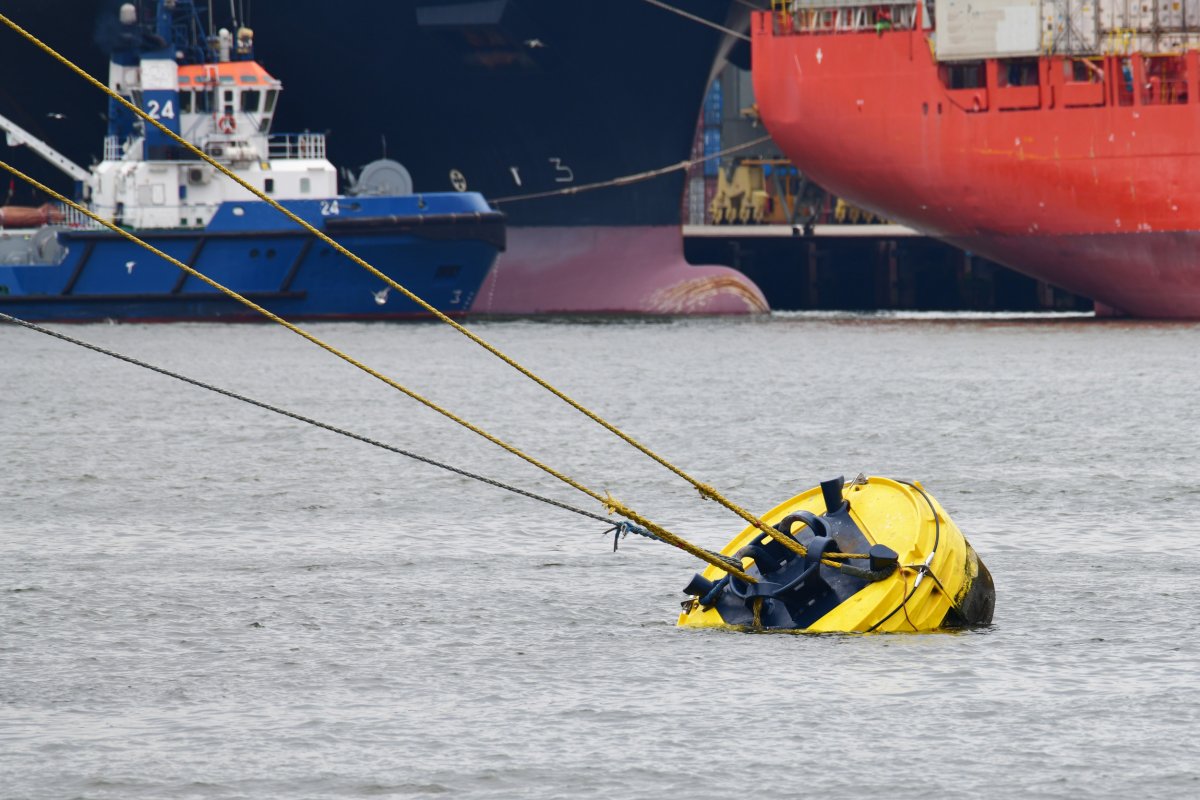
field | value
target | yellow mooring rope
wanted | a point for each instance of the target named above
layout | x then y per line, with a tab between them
609	502
706	491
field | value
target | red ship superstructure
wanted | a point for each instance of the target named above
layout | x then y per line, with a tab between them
1057	137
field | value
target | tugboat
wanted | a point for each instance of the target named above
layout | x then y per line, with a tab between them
506	98
56	264
880	555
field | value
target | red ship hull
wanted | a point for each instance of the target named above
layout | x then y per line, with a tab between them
1074	183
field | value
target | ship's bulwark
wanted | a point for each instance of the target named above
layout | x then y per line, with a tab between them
1098	200
511	98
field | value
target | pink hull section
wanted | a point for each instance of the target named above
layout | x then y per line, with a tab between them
607	270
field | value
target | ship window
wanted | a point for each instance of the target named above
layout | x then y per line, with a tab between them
185	101
185	79
1017	84
1018	72
228	95
249	79
1083	83
1083	70
305	186
1166	80
271	97
269	186
963	75
1125	81
264	125
204	104
250	100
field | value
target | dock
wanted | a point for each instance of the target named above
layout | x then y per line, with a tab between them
869	267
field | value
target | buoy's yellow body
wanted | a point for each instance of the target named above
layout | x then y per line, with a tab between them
936	579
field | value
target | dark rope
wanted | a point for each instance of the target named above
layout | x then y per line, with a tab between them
620	530
284	412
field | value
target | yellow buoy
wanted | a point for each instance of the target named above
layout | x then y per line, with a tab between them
880	555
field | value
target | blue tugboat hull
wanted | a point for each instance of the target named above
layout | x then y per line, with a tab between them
439	246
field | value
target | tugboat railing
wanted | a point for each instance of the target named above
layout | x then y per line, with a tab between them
287	146
76	220
114	150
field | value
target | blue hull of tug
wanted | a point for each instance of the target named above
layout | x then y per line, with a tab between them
439	246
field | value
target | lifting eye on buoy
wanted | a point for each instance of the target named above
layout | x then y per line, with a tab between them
227	124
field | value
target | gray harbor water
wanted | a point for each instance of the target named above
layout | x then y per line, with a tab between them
201	600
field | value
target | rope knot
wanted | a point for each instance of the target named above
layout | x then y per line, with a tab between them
707	492
624	528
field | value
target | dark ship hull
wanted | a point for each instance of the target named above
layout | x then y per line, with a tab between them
509	98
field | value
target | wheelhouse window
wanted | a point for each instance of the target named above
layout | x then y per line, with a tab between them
250	100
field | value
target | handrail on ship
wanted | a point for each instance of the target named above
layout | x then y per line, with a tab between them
287	146
842	16
280	146
811	5
1065	27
